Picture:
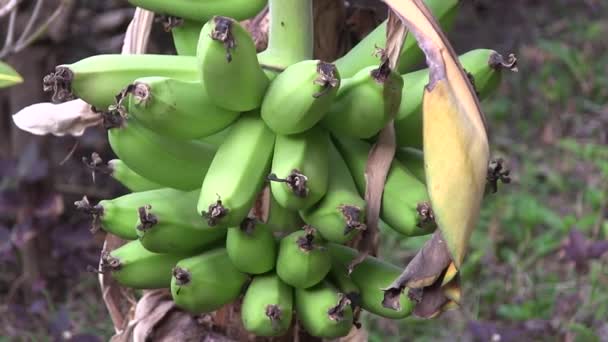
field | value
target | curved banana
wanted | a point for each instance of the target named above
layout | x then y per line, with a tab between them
228	62
363	54
251	247
237	172
169	223
371	277
129	178
339	277
267	308
283	220
185	36
177	109
303	260
300	167
205	282
323	311
176	164
98	79
484	67
340	214
309	87
359	108
133	266
216	139
404	200
203	10
413	160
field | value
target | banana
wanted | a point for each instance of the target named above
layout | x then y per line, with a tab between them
98	79
177	109
216	139
237	172
309	87
169	223
229	67
339	277
485	69
359	109
203	10
185	36
251	247
303	260
267	308
371	277
282	220
205	282
300	167
176	164
362	55
129	178
340	214
133	266
323	311
404	198
413	160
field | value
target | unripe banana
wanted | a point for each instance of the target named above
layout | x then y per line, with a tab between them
484	67
98	79
185	36
251	247
203	10
323	311
129	178
216	139
413	159
371	277
309	87
340	214
134	266
359	109
339	277
237	172
363	54
228	62
176	164
206	282
267	308
405	199
283	220
170	224
177	109
300	167
303	260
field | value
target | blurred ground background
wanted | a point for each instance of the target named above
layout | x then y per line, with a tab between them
534	271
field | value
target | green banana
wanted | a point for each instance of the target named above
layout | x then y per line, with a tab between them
371	277
360	109
133	266
205	282
413	159
339	277
169	223
129	178
404	198
340	214
185	36
300	166
229	67
309	87
362	55
216	139
303	260
267	308
98	79
251	247
237	172
176	164
484	67
282	220
323	311
177	109
203	10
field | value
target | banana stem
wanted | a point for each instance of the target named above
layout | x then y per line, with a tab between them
291	33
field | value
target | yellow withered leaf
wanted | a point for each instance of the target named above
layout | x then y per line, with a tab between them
455	141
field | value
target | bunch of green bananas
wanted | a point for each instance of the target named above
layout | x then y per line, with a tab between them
199	135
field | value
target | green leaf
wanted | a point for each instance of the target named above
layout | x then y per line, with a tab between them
8	76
